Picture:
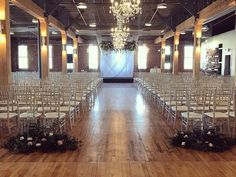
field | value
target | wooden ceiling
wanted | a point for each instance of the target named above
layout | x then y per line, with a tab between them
98	12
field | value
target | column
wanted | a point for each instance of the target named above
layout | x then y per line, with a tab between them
5	43
75	54
176	53
44	48
64	53
197	49
163	55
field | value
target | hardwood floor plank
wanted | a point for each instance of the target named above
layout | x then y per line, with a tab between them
123	136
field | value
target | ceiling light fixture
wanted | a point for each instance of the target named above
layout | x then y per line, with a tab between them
54	32
120	36
183	33
34	20
148	24
125	10
205	28
162	5
93	25
82	5
12	33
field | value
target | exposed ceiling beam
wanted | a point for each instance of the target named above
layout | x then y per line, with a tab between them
29	7
186	24
37	12
205	15
216	8
97	4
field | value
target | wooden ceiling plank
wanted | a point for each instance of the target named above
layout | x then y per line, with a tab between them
169	34
158	40
186	24
37	12
29	7
55	23
215	8
207	13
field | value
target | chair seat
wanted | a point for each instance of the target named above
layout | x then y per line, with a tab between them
192	115
72	103
222	108
164	98
231	114
30	115
11	109
199	108
66	109
54	115
46	109
23	102
217	115
24	108
3	103
173	103
4	115
180	108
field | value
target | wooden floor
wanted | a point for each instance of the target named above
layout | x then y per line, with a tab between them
123	136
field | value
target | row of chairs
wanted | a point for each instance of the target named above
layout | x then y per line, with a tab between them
208	101
54	103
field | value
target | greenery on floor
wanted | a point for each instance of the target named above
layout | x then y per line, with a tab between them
39	140
202	140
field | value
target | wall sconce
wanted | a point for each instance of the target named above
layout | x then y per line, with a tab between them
1	27
176	48
44	41
64	47
2	32
198	42
162	51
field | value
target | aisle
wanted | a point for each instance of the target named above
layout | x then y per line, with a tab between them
123	136
122	127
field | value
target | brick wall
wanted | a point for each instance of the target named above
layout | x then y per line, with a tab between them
33	53
153	59
83	57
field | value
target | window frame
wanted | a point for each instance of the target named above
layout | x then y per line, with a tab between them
143	50
191	65
167	65
26	57
95	65
50	58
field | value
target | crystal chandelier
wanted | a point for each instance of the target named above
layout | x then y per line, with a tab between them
120	36
122	33
125	10
118	43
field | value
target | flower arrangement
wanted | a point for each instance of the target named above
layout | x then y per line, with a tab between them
39	141
130	45
108	46
206	140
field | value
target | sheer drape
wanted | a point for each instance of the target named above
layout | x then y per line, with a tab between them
117	64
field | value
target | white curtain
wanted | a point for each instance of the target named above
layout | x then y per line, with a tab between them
117	64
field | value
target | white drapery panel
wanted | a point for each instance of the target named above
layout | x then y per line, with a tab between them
117	64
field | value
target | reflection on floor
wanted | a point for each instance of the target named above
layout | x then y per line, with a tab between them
123	136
